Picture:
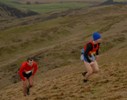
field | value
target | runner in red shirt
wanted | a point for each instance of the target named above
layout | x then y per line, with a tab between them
27	72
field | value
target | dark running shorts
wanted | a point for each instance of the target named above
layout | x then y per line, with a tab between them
27	75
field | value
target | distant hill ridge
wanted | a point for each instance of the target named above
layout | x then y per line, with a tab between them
10	11
110	2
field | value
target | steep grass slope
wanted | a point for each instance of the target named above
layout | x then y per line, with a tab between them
64	81
8	14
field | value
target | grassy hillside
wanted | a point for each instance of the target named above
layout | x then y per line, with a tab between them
55	42
120	0
49	7
51	1
4	14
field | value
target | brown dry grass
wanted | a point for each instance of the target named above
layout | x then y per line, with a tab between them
65	81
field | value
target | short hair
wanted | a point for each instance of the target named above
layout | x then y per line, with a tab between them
30	58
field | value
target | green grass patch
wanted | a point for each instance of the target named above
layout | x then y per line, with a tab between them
43	8
106	46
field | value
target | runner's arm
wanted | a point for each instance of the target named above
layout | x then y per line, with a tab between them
21	73
97	52
35	68
88	49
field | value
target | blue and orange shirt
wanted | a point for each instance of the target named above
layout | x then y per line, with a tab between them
91	49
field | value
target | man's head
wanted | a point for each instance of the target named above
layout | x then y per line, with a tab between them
30	61
97	37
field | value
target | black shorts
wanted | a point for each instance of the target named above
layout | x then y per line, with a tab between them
27	75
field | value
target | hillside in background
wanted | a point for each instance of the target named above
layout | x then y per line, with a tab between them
44	6
6	10
61	1
112	2
48	6
55	40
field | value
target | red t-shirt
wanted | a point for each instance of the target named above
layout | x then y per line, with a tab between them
25	68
